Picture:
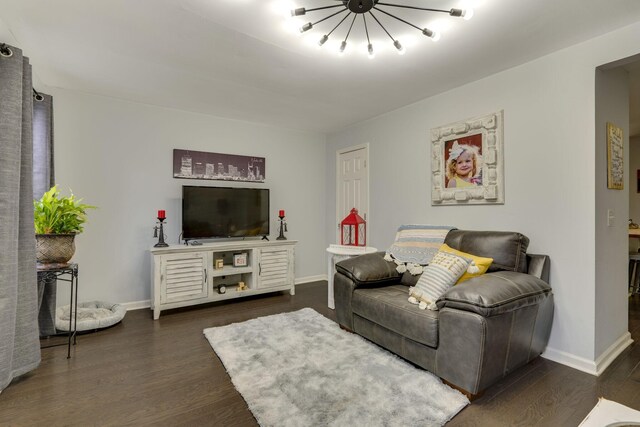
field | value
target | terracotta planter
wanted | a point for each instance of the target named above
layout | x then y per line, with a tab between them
55	248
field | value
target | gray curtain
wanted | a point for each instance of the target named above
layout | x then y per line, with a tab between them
43	179
19	343
43	176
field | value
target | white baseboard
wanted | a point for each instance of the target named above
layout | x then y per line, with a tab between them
592	367
137	305
309	279
568	359
610	354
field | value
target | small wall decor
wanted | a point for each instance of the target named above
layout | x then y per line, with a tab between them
240	260
467	162
226	167
615	155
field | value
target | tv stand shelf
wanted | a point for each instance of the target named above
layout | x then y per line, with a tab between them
186	275
229	270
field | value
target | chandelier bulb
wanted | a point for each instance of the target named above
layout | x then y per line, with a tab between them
306	27
467	14
398	46
343	46
323	40
298	12
432	34
371	53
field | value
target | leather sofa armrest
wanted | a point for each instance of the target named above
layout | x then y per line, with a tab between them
539	266
368	269
496	293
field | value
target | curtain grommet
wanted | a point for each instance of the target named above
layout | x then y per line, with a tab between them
38	97
6	51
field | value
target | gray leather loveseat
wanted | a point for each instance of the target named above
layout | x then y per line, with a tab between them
485	327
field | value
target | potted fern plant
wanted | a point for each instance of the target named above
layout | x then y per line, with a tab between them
57	221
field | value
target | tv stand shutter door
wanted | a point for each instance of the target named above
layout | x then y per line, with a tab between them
184	277
275	266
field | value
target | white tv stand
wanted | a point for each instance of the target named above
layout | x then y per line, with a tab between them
186	275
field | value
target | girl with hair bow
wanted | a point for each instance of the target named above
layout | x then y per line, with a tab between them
463	166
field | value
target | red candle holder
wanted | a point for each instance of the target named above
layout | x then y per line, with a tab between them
283	226
159	231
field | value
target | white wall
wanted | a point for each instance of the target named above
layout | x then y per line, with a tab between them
611	306
549	140
118	155
634	195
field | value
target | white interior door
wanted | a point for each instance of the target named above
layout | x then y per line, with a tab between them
352	184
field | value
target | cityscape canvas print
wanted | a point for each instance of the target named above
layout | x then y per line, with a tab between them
226	167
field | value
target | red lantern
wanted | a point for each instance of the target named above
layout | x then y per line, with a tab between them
353	230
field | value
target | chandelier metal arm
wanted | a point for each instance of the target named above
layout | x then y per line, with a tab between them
324	7
382	26
414	7
366	30
303	11
330	16
399	19
339	23
350	27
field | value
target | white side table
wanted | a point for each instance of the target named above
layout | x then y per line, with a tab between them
338	253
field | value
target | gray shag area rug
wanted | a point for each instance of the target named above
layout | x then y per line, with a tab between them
300	369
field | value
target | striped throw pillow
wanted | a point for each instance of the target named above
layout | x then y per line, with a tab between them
442	273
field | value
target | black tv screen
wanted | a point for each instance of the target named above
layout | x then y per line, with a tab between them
209	212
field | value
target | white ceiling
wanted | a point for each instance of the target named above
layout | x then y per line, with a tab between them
234	59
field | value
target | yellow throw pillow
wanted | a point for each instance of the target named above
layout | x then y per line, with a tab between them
481	263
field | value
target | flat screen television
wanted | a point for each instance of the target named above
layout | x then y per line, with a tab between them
212	212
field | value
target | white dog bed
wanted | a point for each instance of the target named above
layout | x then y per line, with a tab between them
91	315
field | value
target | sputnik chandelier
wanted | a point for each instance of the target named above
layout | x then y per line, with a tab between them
366	7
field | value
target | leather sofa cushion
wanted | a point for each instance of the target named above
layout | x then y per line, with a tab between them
409	279
508	249
496	293
389	307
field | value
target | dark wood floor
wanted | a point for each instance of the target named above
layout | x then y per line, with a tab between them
145	372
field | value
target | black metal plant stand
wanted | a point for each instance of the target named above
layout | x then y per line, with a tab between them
51	273
283	228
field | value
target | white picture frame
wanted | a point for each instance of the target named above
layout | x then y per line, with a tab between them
479	139
240	260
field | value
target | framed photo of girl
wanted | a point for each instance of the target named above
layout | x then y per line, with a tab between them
467	162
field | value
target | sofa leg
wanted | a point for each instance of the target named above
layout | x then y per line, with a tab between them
469	395
346	329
